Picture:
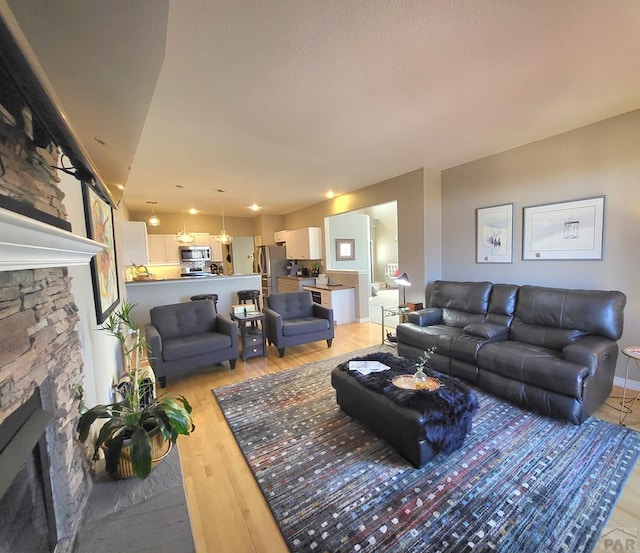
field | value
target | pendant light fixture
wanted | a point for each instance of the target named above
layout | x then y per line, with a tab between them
183	237
153	220
223	237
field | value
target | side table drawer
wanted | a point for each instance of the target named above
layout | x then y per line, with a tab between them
252	339
253	350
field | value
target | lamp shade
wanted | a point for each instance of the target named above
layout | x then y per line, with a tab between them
403	280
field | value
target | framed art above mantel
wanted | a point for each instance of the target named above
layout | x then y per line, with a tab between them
104	272
564	230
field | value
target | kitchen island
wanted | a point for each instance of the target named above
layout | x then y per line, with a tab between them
148	293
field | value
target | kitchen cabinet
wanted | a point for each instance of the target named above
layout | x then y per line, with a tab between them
294	284
341	300
134	247
280	237
216	249
163	249
304	243
202	238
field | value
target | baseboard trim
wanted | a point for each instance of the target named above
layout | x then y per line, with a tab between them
631	384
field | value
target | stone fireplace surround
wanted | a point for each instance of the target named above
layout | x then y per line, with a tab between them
39	346
41	355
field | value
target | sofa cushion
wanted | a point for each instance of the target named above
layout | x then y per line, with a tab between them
535	365
502	303
305	325
424	337
196	344
466	347
460	319
486	330
590	311
545	336
184	319
469	297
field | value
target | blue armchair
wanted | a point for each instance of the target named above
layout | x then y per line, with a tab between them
189	335
293	318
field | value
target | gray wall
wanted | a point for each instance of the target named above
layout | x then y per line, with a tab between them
409	191
348	225
600	159
385	237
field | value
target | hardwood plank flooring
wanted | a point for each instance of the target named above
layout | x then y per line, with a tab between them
228	512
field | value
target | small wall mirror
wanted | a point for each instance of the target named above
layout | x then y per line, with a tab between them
345	249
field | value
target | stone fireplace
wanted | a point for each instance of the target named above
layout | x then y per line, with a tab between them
41	366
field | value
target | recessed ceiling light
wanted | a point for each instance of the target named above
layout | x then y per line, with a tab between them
254	207
193	211
330	194
120	186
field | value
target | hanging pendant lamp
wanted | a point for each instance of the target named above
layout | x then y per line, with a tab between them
153	220
183	237
223	237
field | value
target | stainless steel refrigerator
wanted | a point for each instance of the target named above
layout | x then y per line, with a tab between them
270	262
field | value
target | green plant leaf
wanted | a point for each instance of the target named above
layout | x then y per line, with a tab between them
112	453
140	452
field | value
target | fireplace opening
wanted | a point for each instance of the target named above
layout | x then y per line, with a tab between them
27	519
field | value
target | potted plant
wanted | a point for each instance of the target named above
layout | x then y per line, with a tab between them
140	429
420	378
315	268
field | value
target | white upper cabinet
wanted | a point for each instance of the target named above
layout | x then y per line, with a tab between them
216	249
280	237
202	238
304	243
134	247
163	248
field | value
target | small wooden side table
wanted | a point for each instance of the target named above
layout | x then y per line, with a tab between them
631	353
252	336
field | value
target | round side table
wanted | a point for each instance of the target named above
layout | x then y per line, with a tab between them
630	353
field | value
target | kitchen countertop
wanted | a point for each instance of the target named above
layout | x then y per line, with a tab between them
328	287
147	294
297	277
207	277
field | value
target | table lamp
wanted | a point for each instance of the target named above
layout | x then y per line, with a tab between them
403	280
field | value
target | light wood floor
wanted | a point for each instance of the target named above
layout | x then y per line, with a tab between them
228	512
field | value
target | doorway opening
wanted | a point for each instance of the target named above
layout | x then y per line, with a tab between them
376	237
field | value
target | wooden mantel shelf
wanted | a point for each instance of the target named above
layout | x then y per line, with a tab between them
26	243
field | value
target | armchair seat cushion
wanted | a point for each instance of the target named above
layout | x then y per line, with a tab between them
196	344
305	325
536	365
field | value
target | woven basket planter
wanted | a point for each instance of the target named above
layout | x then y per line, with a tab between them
160	448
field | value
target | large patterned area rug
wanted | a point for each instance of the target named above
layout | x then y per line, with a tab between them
520	483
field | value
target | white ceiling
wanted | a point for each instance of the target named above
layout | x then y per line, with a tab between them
277	102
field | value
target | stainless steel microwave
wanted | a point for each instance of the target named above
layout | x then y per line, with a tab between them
195	253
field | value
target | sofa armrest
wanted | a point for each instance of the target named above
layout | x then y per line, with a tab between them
592	352
154	342
323	313
489	331
273	324
225	325
426	317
